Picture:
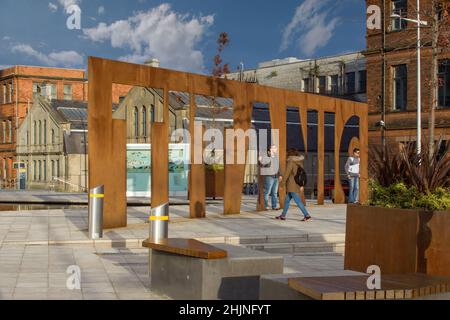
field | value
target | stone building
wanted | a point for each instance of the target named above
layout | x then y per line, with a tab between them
143	106
18	86
341	76
53	145
398	97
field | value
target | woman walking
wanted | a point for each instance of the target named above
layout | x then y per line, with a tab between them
294	180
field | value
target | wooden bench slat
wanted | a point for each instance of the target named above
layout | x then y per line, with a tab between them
187	247
406	286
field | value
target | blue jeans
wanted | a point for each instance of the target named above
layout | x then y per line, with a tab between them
298	201
271	189
353	195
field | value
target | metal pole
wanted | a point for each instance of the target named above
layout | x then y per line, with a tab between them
96	198
419	83
159	223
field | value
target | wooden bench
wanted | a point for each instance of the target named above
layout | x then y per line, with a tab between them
187	247
407	286
187	269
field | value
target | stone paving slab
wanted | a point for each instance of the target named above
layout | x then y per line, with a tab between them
50	197
70	226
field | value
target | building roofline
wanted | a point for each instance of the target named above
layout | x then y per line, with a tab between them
55	68
361	52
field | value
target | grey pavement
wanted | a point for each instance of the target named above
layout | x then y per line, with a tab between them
51	197
70	226
37	247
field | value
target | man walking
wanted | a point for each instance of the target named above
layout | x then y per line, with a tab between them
353	175
270	171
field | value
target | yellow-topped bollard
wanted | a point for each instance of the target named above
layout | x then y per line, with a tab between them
96	198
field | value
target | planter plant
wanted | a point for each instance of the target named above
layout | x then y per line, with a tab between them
405	226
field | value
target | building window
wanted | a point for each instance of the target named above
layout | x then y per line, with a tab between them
39	170
53	137
57	168
444	83
350	83
136	122
44	164
10	92
144	122
399	7
4	93
306	85
400	87
334	85
52	163
363	81
322	84
45	132
34	133
67	92
34	170
47	90
10	136
40	132
4	131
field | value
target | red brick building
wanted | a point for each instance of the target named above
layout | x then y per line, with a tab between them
18	85
400	76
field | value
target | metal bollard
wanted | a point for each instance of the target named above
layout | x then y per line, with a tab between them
96	198
159	223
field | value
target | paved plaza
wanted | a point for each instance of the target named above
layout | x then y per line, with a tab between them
37	247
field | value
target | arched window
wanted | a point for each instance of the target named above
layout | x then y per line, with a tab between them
34	134
144	121
45	132
39	170
4	131
40	134
136	122
10	133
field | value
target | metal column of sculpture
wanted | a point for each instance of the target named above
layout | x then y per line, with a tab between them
107	137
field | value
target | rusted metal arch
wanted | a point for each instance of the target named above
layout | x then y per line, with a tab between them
107	136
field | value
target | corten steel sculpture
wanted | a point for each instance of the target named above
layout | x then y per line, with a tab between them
107	136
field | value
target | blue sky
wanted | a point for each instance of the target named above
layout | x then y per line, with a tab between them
180	33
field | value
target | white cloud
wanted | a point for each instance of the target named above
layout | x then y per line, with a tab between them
2	67
52	7
54	59
6	38
312	19
101	10
158	33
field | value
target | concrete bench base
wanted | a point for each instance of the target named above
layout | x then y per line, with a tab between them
236	277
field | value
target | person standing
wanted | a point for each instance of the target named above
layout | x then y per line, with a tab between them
294	179
353	175
270	170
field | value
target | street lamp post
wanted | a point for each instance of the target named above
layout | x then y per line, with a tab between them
419	74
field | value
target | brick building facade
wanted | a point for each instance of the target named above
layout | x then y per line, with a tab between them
400	98
18	86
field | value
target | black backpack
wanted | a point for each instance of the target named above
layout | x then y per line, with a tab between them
300	177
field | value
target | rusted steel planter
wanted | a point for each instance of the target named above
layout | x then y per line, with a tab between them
397	240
